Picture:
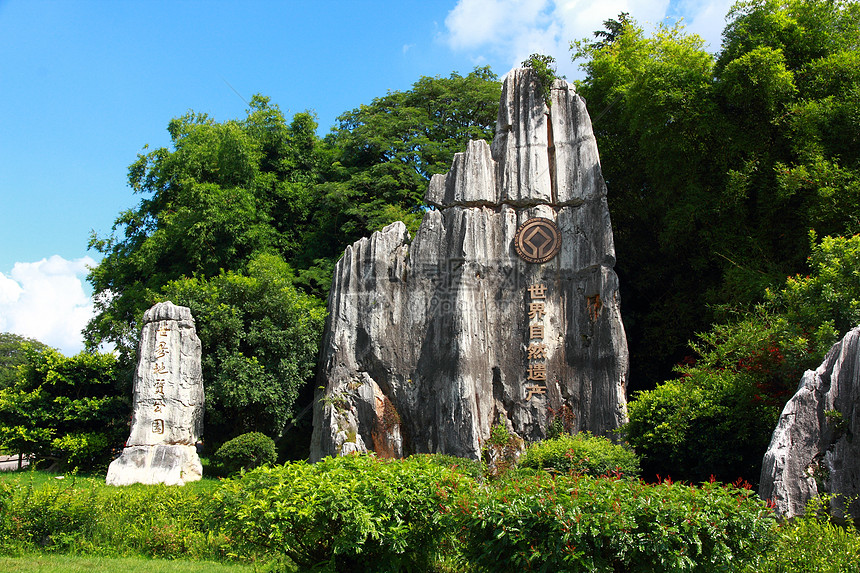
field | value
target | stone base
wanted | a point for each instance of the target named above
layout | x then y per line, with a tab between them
170	465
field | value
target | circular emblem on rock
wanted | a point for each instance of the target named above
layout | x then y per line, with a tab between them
537	240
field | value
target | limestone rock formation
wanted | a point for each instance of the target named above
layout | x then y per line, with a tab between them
167	419
431	341
813	449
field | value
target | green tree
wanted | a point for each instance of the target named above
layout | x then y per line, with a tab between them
656	125
12	355
384	153
718	416
225	193
67	411
260	341
718	167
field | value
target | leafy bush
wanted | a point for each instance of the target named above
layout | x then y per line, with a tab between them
65	411
812	544
468	467
354	513
581	454
702	425
84	449
46	517
581	523
718	416
85	516
245	452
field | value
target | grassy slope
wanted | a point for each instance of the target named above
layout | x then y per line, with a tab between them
73	564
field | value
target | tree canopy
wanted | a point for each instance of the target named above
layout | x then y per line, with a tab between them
66	411
718	166
242	220
384	153
260	340
13	355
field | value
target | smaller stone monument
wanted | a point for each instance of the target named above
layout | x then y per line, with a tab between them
814	449
167	419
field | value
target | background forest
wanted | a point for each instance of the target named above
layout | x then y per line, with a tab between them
734	191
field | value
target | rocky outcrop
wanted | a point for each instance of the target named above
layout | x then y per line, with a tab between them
431	341
167	419
813	449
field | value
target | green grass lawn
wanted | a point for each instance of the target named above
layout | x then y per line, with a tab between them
74	564
40	478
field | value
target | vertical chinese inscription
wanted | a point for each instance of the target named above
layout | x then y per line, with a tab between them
536	351
161	370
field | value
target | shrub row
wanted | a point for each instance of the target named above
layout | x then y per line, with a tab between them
581	454
582	523
361	513
84	516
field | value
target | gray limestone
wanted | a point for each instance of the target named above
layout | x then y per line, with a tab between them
428	338
812	451
167	418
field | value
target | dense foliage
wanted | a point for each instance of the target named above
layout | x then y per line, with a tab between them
581	454
85	516
812	543
220	197
65	411
718	167
13	355
354	513
586	524
260	338
244	452
386	152
718	416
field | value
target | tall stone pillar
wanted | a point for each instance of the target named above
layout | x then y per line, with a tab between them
504	308
167	419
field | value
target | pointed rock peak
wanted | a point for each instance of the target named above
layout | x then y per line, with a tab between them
503	309
540	155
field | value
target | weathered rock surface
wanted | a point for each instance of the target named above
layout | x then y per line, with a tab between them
429	341
167	419
813	449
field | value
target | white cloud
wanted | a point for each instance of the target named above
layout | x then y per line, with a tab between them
511	30
46	300
708	21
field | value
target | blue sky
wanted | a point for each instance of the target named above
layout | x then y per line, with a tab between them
84	85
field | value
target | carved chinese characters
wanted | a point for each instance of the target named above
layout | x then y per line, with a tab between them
536	352
167	419
160	371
